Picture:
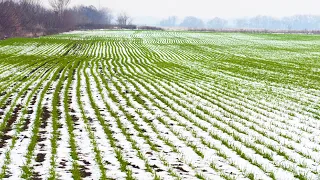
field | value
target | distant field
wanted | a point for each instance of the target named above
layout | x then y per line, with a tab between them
160	105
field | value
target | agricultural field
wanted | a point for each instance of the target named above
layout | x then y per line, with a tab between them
160	105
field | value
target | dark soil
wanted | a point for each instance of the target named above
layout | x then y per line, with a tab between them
30	111
3	140
86	162
8	102
33	101
44	117
63	163
42	146
44	122
26	124
90	119
41	139
4	137
3	93
40	157
74	118
36	176
181	169
159	170
84	172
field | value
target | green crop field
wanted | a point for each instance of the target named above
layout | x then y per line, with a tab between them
160	105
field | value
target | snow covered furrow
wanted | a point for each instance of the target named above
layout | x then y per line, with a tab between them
110	104
63	157
312	163
14	80
17	153
108	158
141	121
214	89
89	167
151	98
19	115
250	107
124	127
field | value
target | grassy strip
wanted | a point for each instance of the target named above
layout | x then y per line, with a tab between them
27	170
96	149
55	121
132	121
107	131
20	124
73	145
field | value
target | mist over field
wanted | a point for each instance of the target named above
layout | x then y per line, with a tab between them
35	17
261	14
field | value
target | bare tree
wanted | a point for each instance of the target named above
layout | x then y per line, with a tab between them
30	13
59	6
107	16
217	23
9	18
124	19
169	22
192	22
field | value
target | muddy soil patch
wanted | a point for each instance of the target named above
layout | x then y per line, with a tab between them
4	137
40	157
84	171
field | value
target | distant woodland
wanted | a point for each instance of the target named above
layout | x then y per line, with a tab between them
31	18
298	22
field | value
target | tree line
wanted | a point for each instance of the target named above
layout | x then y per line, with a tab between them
31	18
298	22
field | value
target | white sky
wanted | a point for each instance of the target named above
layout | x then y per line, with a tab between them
208	8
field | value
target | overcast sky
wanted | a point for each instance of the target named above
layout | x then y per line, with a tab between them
208	8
